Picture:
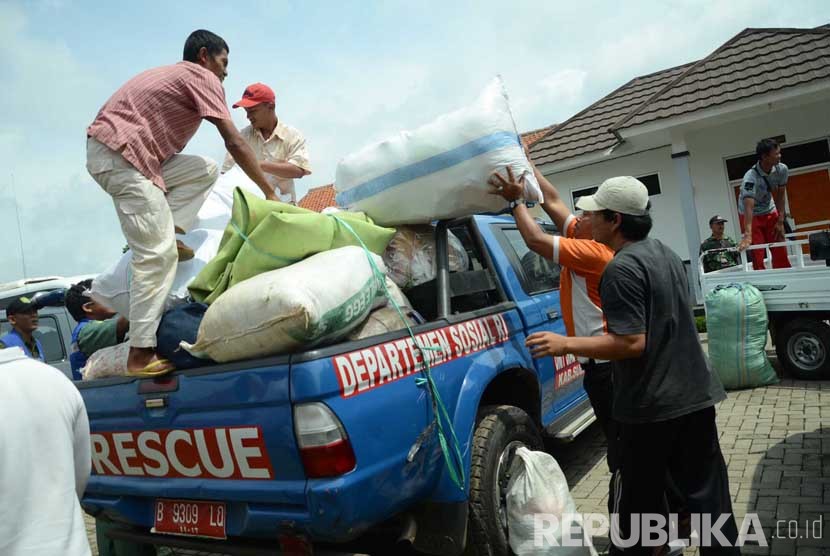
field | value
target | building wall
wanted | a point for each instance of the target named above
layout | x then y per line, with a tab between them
666	211
710	148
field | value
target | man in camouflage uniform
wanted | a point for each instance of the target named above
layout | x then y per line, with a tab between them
718	259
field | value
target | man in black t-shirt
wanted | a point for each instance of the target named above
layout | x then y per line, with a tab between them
662	380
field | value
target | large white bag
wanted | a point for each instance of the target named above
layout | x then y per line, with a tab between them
320	299
537	488
112	287
439	170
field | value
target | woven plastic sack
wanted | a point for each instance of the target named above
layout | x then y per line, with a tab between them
439	170
410	256
106	362
387	319
736	324
313	302
267	235
538	487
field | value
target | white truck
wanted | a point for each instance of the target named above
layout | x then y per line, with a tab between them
797	300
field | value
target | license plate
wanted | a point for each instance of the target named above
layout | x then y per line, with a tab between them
191	518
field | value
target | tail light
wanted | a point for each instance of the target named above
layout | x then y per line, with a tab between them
324	445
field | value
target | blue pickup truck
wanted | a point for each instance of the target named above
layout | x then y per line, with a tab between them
337	447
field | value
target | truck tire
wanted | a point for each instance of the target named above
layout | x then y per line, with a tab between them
500	431
803	348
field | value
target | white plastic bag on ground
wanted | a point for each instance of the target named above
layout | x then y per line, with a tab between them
320	299
410	256
439	170
112	287
108	361
537	489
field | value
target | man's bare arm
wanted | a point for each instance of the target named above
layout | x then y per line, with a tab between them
243	155
535	237
553	205
608	346
749	206
284	169
121	328
781	205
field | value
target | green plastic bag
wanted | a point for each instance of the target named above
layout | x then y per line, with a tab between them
736	322
267	235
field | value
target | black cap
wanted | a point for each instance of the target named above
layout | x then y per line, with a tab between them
717	218
21	305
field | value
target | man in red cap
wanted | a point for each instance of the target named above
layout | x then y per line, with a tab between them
279	148
133	153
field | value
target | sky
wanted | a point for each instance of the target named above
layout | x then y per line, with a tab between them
346	74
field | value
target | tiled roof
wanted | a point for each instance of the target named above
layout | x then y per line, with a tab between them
319	198
531	137
588	131
754	62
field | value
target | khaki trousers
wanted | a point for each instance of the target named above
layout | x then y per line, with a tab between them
147	218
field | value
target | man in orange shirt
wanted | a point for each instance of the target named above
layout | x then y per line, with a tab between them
583	261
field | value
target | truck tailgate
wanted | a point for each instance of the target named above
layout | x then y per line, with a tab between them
222	435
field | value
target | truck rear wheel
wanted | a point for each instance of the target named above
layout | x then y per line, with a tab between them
500	431
803	347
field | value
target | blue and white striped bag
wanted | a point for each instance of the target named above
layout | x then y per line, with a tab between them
439	170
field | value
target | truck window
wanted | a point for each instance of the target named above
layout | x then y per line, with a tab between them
49	336
475	288
536	273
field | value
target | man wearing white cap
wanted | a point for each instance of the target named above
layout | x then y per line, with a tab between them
662	381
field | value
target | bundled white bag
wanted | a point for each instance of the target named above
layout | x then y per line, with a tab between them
410	256
537	489
108	361
112	287
439	170
317	300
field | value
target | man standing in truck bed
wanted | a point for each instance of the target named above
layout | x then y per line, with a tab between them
132	152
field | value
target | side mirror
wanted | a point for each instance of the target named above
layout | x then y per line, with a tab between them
53	298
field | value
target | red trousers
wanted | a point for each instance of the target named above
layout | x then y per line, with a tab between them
763	231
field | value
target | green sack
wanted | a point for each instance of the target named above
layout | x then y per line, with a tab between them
736	323
267	235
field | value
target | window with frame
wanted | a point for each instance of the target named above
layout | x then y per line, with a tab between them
651	181
794	156
537	274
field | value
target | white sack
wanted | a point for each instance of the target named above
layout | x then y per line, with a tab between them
216	210
439	170
410	256
108	361
298	306
538	486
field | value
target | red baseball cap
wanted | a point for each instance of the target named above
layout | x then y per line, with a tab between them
255	94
